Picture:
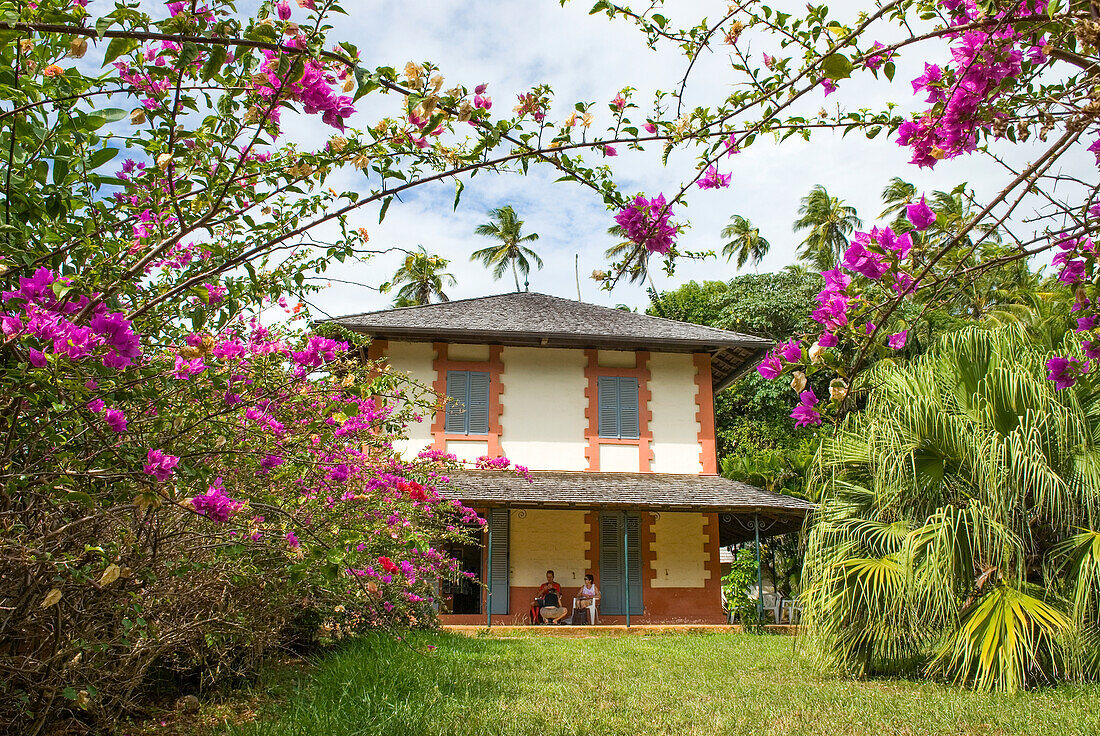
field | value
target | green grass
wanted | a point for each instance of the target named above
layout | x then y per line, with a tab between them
663	684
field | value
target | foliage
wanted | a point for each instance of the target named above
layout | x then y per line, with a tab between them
736	584
829	222
727	684
745	242
949	536
421	278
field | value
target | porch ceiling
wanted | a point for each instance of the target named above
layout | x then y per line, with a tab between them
648	491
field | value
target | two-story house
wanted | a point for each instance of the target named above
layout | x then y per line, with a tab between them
613	412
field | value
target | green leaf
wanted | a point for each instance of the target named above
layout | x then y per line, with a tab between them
214	62
101	157
119	46
837	66
385	206
112	114
459	186
889	70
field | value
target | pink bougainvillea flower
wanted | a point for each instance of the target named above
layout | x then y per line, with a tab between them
307	4
215	504
619	102
714	180
921	215
829	85
1095	148
159	465
828	340
647	222
482	103
480	89
291	539
770	367
284	10
651	128
805	413
897	340
609	150
769	61
115	419
791	351
1065	371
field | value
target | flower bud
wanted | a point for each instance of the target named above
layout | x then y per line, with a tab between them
137	117
798	381
163	160
816	351
78	48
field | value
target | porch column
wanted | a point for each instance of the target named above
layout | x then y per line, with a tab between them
626	567
489	567
759	574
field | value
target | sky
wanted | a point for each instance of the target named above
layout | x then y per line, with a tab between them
513	45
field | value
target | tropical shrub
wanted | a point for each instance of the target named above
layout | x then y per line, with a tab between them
956	533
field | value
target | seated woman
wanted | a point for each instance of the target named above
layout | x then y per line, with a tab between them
587	597
549	598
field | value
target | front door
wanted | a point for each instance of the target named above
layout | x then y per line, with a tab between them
612	591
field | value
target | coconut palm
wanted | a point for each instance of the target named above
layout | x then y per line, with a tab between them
631	259
506	228
897	194
958	517
421	277
745	242
830	222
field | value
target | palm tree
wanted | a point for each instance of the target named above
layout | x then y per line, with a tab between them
423	277
745	242
956	532
830	222
506	228
629	258
897	194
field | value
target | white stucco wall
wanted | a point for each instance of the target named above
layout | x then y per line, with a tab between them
619	458
414	359
468	450
543	539
472	353
616	358
543	422
679	551
675	430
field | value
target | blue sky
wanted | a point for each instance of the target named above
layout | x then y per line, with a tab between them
515	45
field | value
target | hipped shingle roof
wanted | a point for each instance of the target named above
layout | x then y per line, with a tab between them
532	319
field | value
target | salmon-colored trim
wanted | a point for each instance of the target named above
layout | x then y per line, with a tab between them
648	543
592	372
704	399
714	562
377	349
592	536
495	367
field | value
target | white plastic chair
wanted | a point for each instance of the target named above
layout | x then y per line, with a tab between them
792	609
590	605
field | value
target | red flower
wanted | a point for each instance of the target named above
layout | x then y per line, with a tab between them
387	564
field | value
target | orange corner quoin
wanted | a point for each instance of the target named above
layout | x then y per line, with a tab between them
592	371
704	399
495	367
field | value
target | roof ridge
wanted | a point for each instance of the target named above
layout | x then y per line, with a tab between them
412	307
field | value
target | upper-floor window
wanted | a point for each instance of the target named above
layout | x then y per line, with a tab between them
469	412
618	399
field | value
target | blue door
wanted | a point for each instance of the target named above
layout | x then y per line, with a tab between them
612	601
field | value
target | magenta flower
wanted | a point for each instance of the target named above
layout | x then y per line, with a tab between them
1091	348
651	128
805	414
877	60
1086	323
159	465
609	150
1095	148
791	351
483	103
284	10
828	340
770	367
714	180
115	419
619	102
921	215
648	223
480	89
96	405
1064	371
897	340
292	540
829	85
769	61
215	504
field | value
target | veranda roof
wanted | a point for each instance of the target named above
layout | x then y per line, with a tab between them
738	504
540	320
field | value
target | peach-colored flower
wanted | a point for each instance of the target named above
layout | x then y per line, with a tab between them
53	70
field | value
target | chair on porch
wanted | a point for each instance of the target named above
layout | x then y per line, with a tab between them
590	605
792	609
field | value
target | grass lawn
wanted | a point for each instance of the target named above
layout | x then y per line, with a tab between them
661	684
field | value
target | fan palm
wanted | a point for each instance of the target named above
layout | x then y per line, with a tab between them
745	242
506	228
421	277
830	222
955	519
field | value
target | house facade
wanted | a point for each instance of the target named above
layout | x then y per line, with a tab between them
613	413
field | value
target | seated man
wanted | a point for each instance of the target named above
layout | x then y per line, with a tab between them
550	601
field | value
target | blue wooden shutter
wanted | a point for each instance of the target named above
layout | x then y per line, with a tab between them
611	565
458	389
477	407
498	565
628	408
608	399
